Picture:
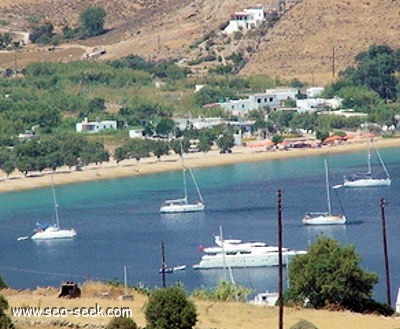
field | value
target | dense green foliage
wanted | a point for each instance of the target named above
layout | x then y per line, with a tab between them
5	321
170	308
52	97
331	275
92	23
92	20
121	323
376	70
3	284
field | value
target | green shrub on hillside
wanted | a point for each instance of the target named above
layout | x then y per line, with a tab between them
170	308
121	323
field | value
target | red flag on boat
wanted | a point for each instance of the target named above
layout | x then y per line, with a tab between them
201	248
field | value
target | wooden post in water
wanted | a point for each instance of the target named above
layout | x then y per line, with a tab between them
280	263
385	252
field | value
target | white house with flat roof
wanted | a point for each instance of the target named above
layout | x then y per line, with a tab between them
314	92
283	94
253	102
246	19
95	126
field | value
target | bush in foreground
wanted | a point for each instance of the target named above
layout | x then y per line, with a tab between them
121	323
170	308
330	274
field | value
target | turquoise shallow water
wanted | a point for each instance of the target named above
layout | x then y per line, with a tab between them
119	225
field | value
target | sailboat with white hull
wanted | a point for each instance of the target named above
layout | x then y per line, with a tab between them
367	179
52	232
324	218
183	205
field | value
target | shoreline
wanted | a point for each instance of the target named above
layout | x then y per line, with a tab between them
146	166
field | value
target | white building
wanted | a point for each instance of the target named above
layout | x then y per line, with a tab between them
245	20
199	123
136	133
283	94
314	92
95	126
272	98
314	104
253	102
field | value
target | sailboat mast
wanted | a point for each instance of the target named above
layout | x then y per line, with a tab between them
55	202
223	257
328	197
184	174
184	184
369	161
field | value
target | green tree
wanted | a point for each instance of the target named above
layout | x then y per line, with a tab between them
96	104
330	274
322	134
5	321
137	149
204	143
180	145
170	308
165	126
276	139
93	20
259	116
5	40
226	142
42	34
120	153
121	323
3	284
159	148
376	69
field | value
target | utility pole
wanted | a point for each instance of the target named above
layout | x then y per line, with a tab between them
280	265
385	252
333	61
163	265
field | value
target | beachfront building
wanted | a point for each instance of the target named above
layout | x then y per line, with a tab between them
93	127
199	123
245	20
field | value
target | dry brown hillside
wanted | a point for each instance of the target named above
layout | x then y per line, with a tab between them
301	45
211	314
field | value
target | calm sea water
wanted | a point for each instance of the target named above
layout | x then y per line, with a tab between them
119	225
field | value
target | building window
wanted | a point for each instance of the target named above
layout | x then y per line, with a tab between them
258	100
271	99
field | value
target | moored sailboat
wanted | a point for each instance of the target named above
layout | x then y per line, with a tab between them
53	231
183	205
367	179
324	218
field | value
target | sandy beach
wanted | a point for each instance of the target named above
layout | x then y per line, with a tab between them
240	154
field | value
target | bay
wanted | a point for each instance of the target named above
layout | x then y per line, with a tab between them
119	225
